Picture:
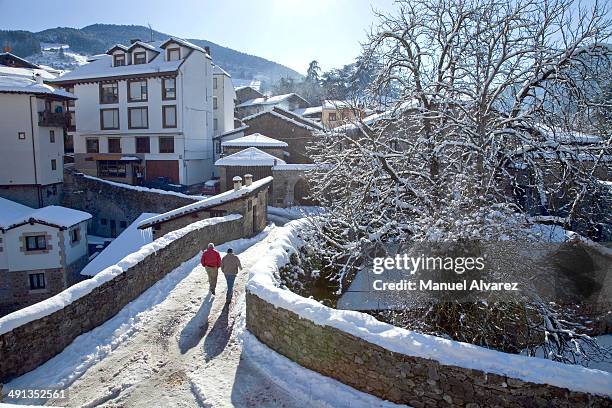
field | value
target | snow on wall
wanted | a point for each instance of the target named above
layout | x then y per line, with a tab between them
66	297
145	189
263	284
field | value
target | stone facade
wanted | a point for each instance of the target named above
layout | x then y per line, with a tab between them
294	135
415	381
290	188
29	345
15	288
34	196
111	205
253	209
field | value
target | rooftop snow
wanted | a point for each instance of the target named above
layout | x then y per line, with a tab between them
130	240
184	43
272	100
12	213
308	111
251	156
217	70
333	104
243	83
20	84
254	140
231	132
25	72
294	166
287	116
213	201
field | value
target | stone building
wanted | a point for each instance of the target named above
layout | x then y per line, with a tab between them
262	142
246	93
290	186
290	102
250	201
247	161
41	252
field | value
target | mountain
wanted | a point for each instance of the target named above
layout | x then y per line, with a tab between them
97	38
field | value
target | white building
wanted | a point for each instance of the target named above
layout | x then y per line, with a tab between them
145	111
224	97
32	122
41	252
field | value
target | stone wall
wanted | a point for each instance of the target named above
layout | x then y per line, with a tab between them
15	288
33	196
415	381
31	344
108	203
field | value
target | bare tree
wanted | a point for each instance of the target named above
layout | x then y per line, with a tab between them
493	125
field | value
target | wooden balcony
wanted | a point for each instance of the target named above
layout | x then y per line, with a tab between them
53	119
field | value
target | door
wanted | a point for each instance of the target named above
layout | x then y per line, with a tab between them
163	168
113	228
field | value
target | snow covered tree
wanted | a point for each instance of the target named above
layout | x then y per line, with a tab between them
313	72
488	130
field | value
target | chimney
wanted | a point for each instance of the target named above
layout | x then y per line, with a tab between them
133	40
237	183
207	49
248	179
38	79
7	48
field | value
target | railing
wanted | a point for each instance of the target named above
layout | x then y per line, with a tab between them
54	119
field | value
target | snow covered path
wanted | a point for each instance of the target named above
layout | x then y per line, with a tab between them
176	346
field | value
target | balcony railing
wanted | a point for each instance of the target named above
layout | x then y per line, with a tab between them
53	119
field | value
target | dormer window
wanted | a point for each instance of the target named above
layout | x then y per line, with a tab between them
140	58
119	60
174	54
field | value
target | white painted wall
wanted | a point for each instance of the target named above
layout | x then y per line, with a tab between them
73	253
19	113
226	96
19	261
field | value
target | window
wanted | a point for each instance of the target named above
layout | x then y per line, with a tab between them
53	164
215	124
174	54
114	145
71	90
74	235
37	281
109	92
111	168
333	117
217	146
215	106
214	83
21	135
122	224
119	60
137	91
217	213
169	116
52	136
138	118
140	58
109	119
143	145
166	144
169	88
36	243
92	146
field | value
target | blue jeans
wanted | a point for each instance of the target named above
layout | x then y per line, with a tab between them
230	284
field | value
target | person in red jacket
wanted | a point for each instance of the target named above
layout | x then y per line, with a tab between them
211	261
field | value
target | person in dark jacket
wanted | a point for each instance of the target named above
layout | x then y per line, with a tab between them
230	265
211	261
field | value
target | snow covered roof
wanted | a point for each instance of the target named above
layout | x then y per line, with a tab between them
272	100
249	157
294	167
182	42
254	140
19	84
26	72
13	214
130	240
213	201
287	116
335	104
231	132
143	45
244	83
567	136
308	111
102	65
217	70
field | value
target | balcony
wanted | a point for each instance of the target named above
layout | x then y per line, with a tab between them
53	119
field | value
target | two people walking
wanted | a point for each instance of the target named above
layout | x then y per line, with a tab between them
230	265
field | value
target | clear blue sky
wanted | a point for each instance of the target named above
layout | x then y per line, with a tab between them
292	32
